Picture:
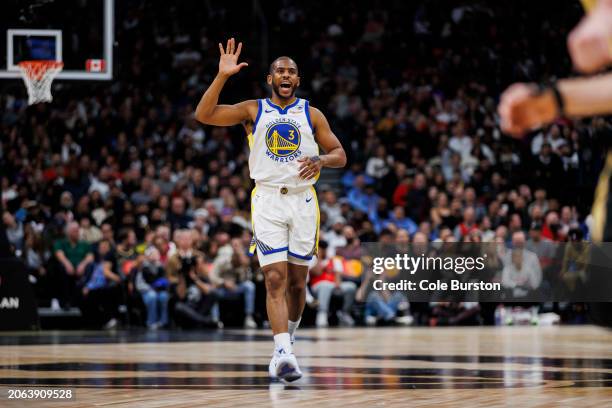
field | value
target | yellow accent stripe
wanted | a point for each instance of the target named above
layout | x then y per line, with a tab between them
588	4
251	140
314	193
254	245
600	204
318	154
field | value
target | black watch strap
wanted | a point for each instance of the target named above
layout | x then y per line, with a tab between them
559	102
558	99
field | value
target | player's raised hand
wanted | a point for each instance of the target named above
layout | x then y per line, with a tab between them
228	62
522	108
590	43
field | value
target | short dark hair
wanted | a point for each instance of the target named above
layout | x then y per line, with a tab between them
283	57
123	234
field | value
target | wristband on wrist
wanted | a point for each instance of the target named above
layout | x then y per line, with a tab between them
559	102
558	99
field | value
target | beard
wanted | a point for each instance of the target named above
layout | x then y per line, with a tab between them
276	90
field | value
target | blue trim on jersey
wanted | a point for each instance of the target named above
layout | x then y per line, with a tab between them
304	257
273	251
259	109
282	111
307	111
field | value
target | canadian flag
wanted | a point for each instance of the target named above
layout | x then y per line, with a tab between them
95	65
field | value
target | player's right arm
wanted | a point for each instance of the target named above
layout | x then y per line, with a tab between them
523	107
208	110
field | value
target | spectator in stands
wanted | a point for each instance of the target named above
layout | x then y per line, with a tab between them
200	222
548	170
101	291
382	306
574	266
544	249
399	219
73	256
193	288
522	273
551	229
108	233
126	248
468	225
417	202
165	181
33	255
567	220
379	165
325	281
152	284
161	240
334	236
539	201
330	206
89	232
14	230
178	217
362	196
352	249
142	196
440	212
230	270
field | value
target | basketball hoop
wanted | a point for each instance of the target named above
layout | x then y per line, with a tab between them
38	76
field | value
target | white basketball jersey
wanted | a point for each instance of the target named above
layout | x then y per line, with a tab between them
280	137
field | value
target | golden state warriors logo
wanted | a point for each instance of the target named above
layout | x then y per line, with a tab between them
283	139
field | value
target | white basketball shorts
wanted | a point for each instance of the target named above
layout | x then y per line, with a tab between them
285	224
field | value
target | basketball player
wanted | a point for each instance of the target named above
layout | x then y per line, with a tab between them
524	107
283	133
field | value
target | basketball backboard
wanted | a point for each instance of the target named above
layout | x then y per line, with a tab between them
80	33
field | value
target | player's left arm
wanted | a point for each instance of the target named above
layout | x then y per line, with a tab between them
590	42
334	153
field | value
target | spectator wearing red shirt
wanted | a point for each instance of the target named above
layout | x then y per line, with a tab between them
325	281
551	229
468	225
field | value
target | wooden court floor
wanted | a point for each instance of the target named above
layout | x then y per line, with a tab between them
375	367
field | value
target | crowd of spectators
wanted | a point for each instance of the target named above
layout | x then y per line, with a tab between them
114	194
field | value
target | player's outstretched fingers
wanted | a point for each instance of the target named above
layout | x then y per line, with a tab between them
221	49
238	49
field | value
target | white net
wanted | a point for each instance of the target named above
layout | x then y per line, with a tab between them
38	76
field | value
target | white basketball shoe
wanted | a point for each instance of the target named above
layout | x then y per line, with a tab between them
284	366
